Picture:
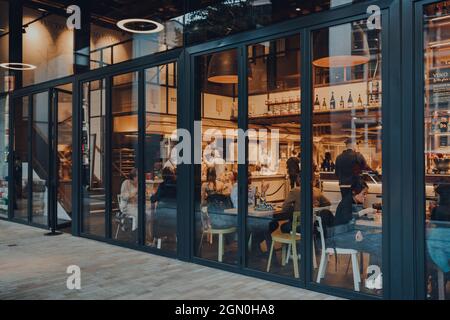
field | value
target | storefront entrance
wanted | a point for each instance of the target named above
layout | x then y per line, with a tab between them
42	158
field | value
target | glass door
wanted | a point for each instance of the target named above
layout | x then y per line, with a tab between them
62	155
39	169
346	186
436	157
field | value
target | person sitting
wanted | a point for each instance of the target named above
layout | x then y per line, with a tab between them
343	232
129	197
212	186
165	201
328	164
251	191
167	190
292	204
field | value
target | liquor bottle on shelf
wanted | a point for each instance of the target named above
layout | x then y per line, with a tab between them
342	103
360	103
332	102
350	101
317	103
434	122
324	105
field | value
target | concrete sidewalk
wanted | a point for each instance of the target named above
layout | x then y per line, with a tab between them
33	266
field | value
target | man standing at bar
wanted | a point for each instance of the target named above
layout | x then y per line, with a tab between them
293	168
349	166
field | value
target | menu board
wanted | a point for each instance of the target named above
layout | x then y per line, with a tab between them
440	86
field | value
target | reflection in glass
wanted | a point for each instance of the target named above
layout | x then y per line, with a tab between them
40	144
124	175
437	149
216	188
4	44
347	156
4	152
210	19
93	158
21	154
273	228
64	154
47	44
161	159
111	45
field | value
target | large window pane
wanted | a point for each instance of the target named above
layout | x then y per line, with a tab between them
47	44
40	143
21	153
437	148
274	157
93	158
210	19
124	175
216	188
4	44
4	151
161	158
347	161
111	44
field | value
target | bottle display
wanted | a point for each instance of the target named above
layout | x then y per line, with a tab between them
324	105
317	103
360	102
342	103
332	102
350	101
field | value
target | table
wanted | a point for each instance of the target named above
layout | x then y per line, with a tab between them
255	213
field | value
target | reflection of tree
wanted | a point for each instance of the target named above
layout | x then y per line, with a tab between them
221	19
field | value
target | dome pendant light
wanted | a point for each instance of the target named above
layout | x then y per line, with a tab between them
223	67
340	46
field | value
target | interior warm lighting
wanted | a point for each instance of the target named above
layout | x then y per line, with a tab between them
126	25
341	46
18	66
126	124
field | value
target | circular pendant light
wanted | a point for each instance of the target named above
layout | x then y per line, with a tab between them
142	26
340	46
18	66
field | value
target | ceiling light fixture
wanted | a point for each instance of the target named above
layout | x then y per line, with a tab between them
17	66
143	26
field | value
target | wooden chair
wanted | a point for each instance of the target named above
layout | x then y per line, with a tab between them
287	239
208	230
326	252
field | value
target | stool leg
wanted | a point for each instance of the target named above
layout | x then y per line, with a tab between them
355	268
270	257
220	244
294	256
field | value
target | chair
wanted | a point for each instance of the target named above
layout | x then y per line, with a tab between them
338	251
289	239
207	229
120	217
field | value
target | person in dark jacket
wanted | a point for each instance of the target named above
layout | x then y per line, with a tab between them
293	168
349	166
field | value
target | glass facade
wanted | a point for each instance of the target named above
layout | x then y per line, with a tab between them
317	112
4	45
93	148
4	153
160	157
347	156
47	45
21	151
274	156
216	178
437	148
